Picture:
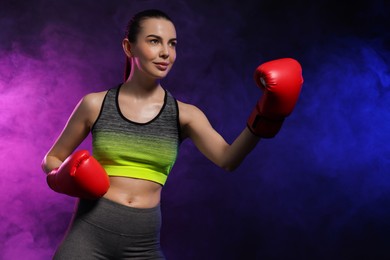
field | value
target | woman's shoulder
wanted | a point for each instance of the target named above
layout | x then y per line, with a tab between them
94	97
189	112
187	107
92	101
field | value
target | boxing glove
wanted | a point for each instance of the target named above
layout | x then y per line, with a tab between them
80	175
281	81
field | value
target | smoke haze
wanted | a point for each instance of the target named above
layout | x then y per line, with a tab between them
319	190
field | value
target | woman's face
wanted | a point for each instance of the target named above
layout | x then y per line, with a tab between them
154	52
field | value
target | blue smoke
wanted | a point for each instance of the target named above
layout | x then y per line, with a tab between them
319	190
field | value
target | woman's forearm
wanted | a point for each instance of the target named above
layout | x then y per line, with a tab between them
239	149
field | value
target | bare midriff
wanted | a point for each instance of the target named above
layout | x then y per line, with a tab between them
135	193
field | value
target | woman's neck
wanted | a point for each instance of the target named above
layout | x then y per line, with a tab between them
141	87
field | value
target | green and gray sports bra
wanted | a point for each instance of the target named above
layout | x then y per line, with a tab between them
137	150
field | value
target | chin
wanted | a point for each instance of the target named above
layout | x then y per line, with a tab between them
162	74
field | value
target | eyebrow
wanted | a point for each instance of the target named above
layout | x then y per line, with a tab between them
159	37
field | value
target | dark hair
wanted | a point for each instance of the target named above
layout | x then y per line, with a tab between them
134	27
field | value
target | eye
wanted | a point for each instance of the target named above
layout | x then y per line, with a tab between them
173	44
154	41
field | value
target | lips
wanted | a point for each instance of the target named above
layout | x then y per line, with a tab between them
162	65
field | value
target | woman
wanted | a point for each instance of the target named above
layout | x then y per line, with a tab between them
136	129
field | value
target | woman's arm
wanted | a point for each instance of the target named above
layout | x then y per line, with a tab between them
197	127
76	130
281	80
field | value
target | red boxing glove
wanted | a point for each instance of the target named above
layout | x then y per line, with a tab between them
80	175
281	80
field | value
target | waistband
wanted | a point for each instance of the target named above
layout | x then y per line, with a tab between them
118	218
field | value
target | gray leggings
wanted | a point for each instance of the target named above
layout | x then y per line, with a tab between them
103	229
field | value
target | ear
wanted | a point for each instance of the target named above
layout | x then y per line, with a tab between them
126	47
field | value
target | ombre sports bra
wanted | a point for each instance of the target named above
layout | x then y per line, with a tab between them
137	150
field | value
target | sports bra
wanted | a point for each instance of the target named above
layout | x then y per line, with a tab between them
137	150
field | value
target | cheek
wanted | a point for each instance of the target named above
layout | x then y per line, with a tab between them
172	56
149	53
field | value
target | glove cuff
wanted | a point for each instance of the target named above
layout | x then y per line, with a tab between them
264	127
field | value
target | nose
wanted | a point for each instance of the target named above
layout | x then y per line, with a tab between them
164	53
